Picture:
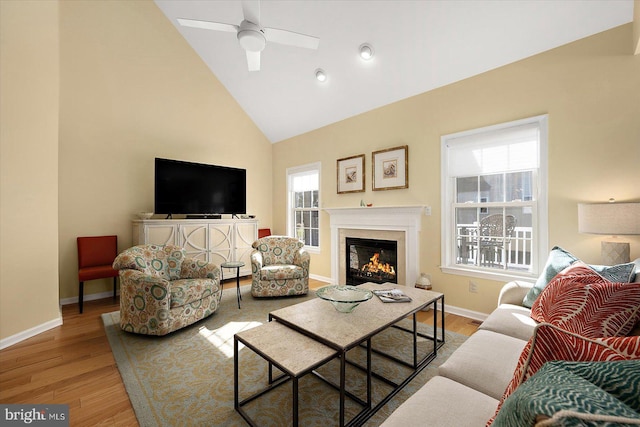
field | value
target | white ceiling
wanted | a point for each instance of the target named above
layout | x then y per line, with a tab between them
419	46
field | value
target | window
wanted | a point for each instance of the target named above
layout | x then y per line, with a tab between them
494	200
303	184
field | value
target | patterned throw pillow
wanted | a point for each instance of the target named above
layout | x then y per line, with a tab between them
576	394
580	300
559	259
550	343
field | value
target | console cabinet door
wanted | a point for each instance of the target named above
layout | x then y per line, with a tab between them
193	238
246	234
220	243
161	234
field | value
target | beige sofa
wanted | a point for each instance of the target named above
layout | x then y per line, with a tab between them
471	382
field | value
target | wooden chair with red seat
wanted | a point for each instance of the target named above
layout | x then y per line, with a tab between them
95	258
263	232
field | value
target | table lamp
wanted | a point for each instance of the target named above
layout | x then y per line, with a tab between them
613	219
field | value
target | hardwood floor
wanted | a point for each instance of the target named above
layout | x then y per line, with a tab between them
73	364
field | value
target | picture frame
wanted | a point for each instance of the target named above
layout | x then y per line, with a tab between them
390	168
350	174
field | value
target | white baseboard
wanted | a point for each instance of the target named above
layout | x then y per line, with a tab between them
90	297
475	315
320	278
31	332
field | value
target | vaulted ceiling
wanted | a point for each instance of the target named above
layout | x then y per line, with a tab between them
418	46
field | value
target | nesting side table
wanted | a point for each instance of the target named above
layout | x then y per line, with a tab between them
237	265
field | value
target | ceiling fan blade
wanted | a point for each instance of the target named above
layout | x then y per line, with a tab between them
251	11
253	61
291	39
217	26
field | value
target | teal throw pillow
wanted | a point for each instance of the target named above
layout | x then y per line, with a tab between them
621	273
576	394
558	260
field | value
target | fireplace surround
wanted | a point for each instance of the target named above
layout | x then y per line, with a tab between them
401	224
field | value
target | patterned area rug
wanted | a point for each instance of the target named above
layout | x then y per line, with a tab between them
186	377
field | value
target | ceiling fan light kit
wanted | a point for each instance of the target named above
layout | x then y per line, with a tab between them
366	51
251	37
321	75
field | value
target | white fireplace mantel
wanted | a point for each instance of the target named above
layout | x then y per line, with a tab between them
407	219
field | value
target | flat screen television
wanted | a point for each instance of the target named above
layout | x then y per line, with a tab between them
199	189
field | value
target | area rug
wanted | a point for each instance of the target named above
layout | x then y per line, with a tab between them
186	377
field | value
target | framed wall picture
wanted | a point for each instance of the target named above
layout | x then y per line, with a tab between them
390	168
350	172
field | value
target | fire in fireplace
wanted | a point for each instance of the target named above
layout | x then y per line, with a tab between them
371	260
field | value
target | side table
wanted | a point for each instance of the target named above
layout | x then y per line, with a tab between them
237	265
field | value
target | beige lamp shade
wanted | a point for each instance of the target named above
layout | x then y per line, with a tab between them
613	219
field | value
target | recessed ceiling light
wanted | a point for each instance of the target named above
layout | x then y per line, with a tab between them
366	51
321	75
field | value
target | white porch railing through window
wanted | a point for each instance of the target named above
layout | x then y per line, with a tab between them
504	253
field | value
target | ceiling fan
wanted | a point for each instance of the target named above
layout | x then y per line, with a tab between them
252	36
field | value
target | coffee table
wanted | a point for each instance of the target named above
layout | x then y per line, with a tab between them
319	320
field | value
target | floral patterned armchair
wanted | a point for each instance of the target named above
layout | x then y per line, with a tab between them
279	267
162	290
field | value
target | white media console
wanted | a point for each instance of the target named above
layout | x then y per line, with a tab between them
213	240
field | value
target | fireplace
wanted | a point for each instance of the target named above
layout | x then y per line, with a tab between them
401	224
371	260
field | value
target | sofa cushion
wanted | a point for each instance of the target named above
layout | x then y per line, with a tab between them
484	362
580	300
512	320
433	402
559	259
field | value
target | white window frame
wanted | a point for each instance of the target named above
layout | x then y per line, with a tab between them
540	216
291	226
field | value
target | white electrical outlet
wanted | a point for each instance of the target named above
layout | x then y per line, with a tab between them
427	210
473	287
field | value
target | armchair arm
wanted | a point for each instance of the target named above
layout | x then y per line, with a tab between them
256	261
136	282
145	303
514	292
302	259
197	269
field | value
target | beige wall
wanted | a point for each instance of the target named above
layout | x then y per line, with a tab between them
589	88
29	74
132	89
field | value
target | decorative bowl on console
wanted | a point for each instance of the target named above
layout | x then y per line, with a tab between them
145	215
344	298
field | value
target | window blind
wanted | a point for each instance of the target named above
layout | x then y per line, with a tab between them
494	151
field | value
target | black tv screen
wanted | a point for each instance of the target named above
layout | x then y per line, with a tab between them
199	189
